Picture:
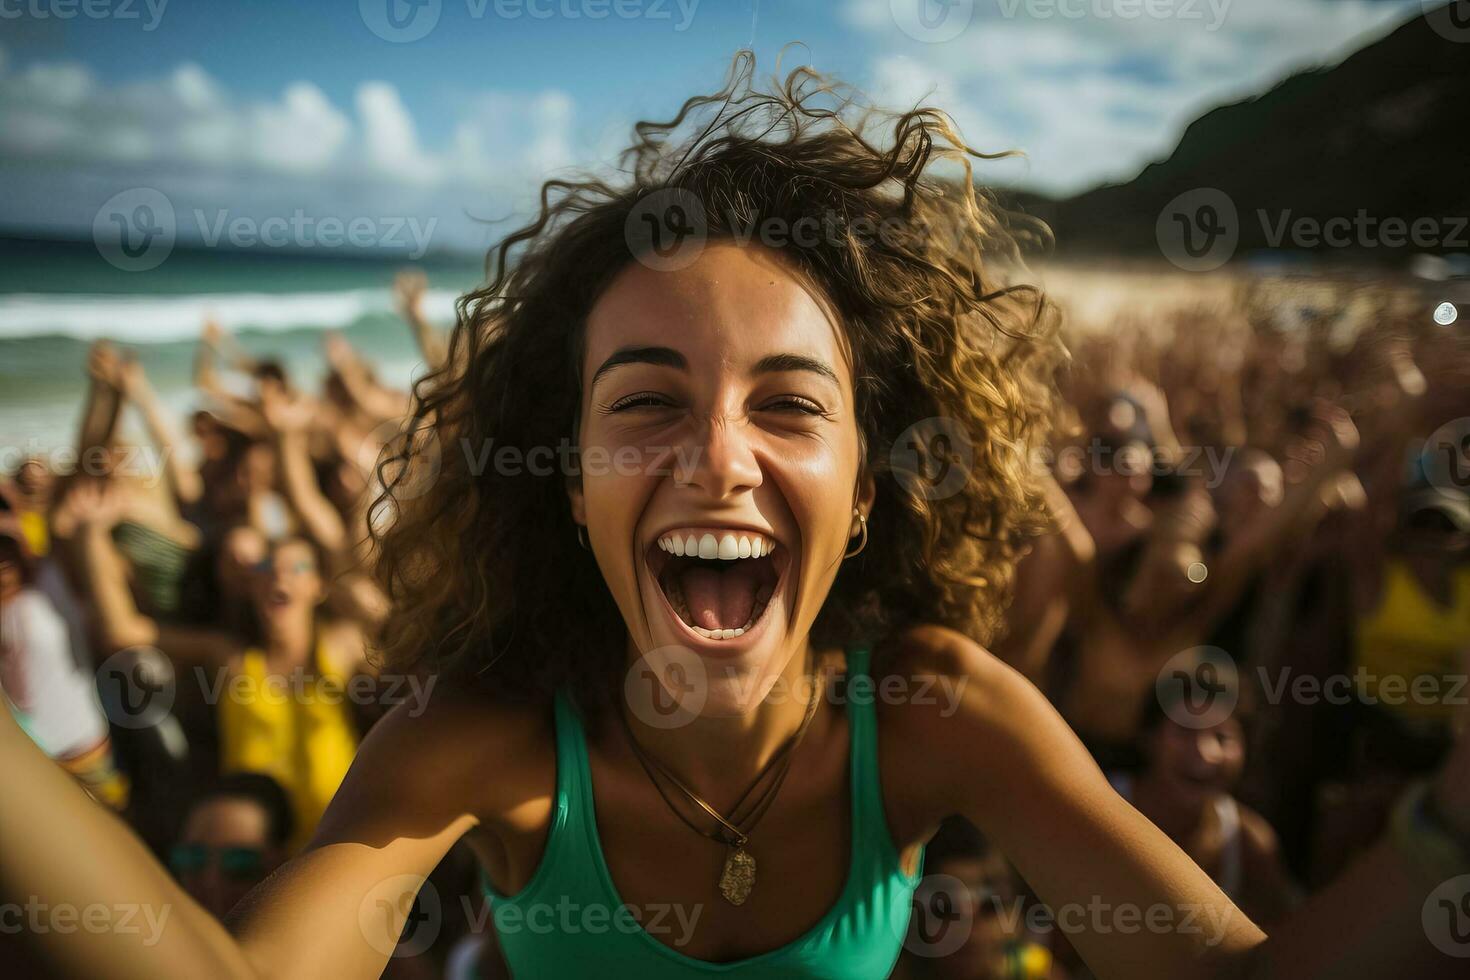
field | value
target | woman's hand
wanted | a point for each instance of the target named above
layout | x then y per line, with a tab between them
89	503
284	413
104	365
409	287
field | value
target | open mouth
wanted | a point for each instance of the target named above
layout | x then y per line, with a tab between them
718	582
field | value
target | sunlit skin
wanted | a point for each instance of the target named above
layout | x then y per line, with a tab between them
34	481
241	551
11	579
732	438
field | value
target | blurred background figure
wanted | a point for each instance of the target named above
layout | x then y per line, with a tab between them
981	896
233	835
47	674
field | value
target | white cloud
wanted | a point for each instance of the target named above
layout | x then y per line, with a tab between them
1090	94
389	136
209	148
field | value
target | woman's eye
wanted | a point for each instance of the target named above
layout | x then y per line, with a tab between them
793	403
644	399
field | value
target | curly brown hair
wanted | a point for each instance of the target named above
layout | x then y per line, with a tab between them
951	368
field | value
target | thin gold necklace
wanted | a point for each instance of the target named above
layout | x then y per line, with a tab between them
737	878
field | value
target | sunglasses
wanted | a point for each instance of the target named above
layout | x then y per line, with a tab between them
266	566
238	863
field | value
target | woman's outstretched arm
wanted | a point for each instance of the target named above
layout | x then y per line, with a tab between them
62	851
421	780
1138	906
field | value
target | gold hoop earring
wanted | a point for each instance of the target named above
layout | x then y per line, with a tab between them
863	526
582	536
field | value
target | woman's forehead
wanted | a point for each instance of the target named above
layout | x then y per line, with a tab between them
733	306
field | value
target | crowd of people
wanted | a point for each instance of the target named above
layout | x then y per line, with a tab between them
1244	496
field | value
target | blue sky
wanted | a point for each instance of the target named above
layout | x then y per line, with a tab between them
272	106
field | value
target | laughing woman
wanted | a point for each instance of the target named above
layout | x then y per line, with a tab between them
691	711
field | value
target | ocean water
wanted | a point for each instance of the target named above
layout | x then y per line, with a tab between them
56	298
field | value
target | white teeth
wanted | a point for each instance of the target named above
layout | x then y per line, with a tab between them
727	547
721	634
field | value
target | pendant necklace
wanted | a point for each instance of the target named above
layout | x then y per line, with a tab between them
737	878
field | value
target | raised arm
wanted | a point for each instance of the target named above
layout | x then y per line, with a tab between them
224	345
93	507
104	403
290	420
1049	584
1249	548
408	289
371	398
183	479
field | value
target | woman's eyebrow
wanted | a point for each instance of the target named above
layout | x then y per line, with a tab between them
665	356
795	362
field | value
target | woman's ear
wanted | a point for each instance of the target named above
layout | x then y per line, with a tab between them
867	492
577	500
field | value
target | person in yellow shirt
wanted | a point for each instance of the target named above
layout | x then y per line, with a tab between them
283	707
1413	628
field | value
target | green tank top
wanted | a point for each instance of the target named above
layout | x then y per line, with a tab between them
860	936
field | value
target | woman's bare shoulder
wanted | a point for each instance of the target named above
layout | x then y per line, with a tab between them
936	656
440	755
951	713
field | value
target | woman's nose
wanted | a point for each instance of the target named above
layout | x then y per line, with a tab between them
723	461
